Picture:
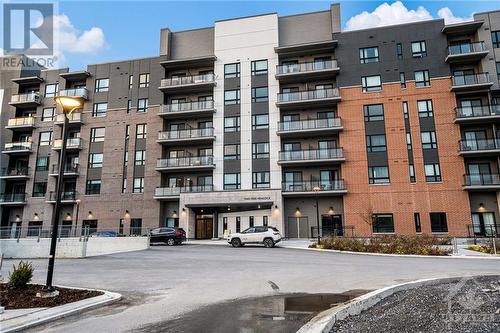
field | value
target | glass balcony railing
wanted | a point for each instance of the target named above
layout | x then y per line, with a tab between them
311	154
471	79
18	146
478	111
187	106
14	172
21	122
187	80
69	168
33	97
190	133
308	95
12	197
482	179
466	48
174	191
74	117
72	143
314	186
75	92
65	196
479	144
306	67
309	124
191	161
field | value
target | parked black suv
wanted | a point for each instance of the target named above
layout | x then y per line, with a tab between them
168	235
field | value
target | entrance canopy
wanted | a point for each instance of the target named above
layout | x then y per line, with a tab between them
208	208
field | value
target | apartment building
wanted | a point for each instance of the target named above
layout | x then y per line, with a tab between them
268	120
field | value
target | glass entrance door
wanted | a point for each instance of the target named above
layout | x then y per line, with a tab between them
484	224
332	225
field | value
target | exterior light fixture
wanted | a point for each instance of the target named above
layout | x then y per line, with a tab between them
174	214
91	216
127	215
36	217
331	211
68	217
18	218
297	212
481	207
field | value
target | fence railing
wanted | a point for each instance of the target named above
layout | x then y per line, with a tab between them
471	79
485	230
186	106
346	231
479	144
26	98
14	172
69	229
185	80
311	154
481	179
12	197
189	133
173	191
185	161
308	95
290	126
75	92
465	48
478	111
24	121
306	67
313	186
14	146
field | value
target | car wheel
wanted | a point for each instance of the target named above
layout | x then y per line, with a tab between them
268	242
236	242
170	242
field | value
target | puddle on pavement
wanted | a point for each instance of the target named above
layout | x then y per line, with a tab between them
271	314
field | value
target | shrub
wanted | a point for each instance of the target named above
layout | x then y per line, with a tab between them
486	248
21	275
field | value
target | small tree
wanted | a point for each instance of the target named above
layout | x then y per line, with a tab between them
367	216
21	275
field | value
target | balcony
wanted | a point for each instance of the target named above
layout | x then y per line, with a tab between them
12	199
67	197
166	193
316	70
71	144
195	83
311	156
480	147
14	173
466	52
185	163
482	182
301	99
471	82
329	187
70	170
187	109
82	93
74	119
310	126
20	123
28	100
17	148
187	136
477	114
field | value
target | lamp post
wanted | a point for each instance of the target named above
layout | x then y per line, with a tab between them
76	215
67	105
298	214
316	190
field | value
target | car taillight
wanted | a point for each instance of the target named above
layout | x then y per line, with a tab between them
178	233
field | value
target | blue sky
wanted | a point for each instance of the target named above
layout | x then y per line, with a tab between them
131	28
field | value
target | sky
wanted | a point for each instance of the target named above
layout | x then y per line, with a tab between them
100	31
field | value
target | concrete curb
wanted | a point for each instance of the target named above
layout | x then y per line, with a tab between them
43	316
324	321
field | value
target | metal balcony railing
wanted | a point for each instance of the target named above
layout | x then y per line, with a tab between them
65	196
466	48
471	79
18	146
190	133
187	106
306	67
75	92
74	117
25	121
187	80
12	197
480	144
71	143
290	126
68	168
14	172
308	95
314	186
173	191
33	97
481	179
311	154
478	111
189	161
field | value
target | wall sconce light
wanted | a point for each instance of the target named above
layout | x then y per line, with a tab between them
127	215
174	214
36	217
91	216
481	207
331	211
228	208
258	206
297	212
68	217
18	218
275	206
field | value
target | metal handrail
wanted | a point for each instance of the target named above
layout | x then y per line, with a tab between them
479	144
185	161
75	92
172	191
189	133
306	67
71	168
471	79
286	126
27	97
65	196
481	179
12	197
187	106
183	80
22	145
14	172
311	154
464	48
24	121
315	185
308	95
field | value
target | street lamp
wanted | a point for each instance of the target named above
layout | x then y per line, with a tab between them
298	214
67	105
77	201
316	190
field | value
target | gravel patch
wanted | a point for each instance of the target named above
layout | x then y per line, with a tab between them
464	305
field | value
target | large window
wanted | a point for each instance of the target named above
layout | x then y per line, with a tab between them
413	178
399	51
375	143
101	85
142	105
93	187
130	81
39	189
428	140
260	150
138	185
129	106
100	110
48	114
438	222
378	175
371	83
418	224
408	141
402	80
425	108
42	163
140	157
95	160
231	70
418	49
97	134
231	97
231	124
232	152
368	55
232	181
382	223
260	94
432	172
495	38
422	78
144	80
374	112
45	138
260	121
51	90
141	131
259	67
261	179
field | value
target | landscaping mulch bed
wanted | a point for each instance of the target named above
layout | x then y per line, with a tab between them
25	298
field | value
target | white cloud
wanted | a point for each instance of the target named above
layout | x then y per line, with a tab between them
71	40
397	13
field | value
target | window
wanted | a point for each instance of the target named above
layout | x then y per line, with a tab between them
138	185
399	51
238	223
438	222
428	140
48	114
261	179
100	110
374	112
127	132
141	131
231	70
224	223
405	110
101	85
51	90
260	121
251	221
418	49
368	55
130	81
418	225
231	124
232	181
232	152
432	172
495	38
265	221
260	150
140	157
124	185
95	160
498	70
39	189
375	143
425	108
45	138
383	223
413	179
402	80
260	94
408	141
371	83
259	67
135	227
42	164
422	78
231	97
93	187
144	80
129	106
378	175
142	105
97	134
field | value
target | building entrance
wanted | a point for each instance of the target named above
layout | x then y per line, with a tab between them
204	227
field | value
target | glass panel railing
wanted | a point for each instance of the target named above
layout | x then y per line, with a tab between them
74	117
25	121
185	161
286	126
75	92
65	196
185	80
479	144
313	186
191	133
306	67
13	146
311	154
14	172
471	79
174	191
26	98
187	106
70	143
12	197
308	95
482	179
465	48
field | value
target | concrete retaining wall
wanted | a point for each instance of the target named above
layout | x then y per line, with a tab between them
71	247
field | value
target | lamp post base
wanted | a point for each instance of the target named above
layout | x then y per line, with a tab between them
48	293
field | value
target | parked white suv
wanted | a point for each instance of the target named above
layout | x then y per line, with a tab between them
268	236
